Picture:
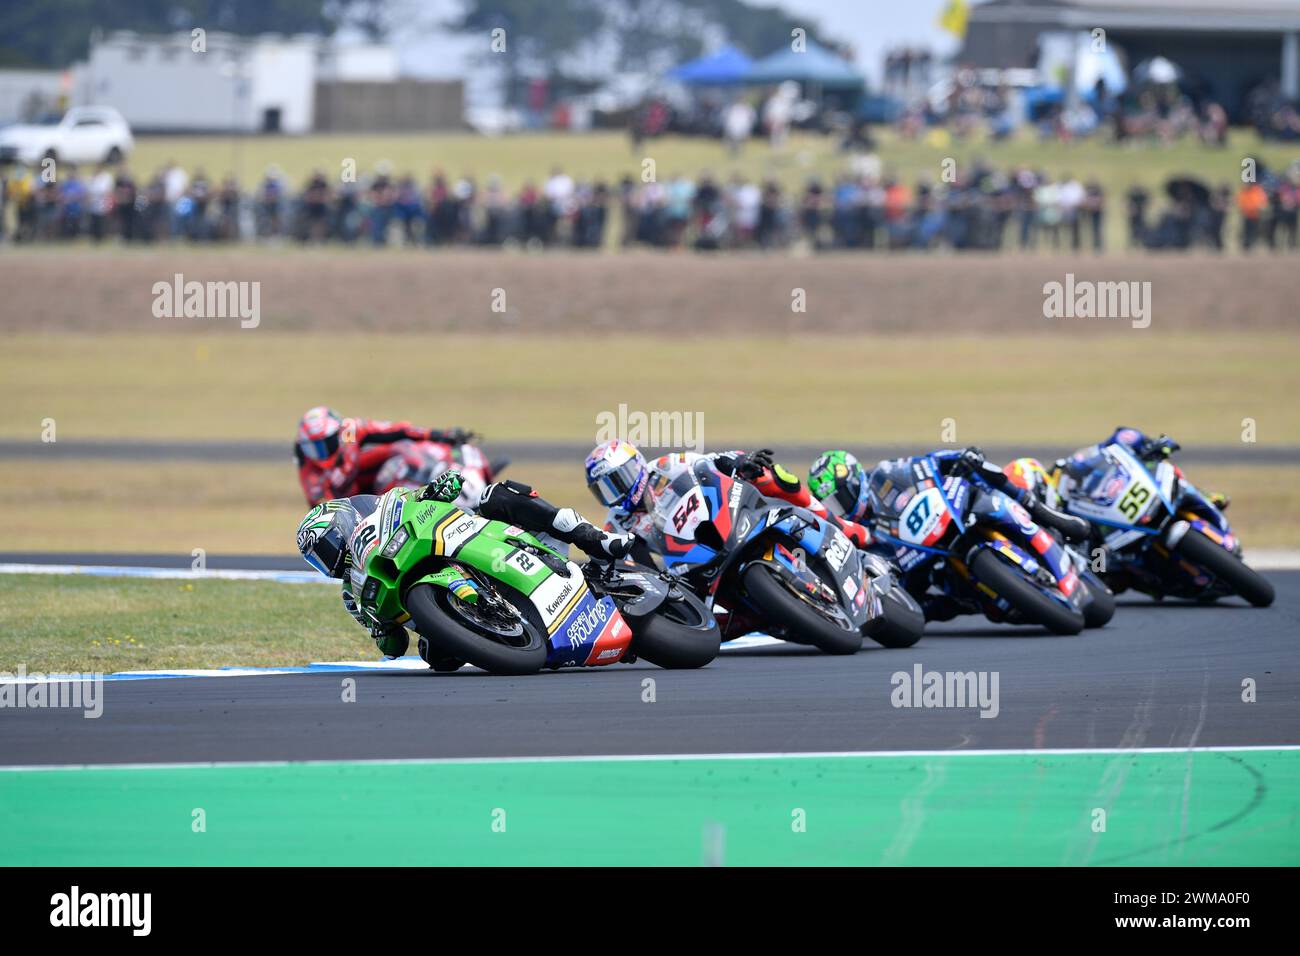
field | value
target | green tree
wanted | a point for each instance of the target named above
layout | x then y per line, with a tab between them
56	33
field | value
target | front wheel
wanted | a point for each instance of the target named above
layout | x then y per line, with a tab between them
1227	567
796	616
681	633
499	646
901	622
1036	607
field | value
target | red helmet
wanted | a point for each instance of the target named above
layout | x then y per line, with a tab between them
318	434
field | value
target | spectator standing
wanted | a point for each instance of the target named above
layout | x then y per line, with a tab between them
768	232
738	125
1070	197
200	197
558	193
1252	202
1094	210
382	196
495	213
811	212
100	197
176	183
72	200
1286	212
124	204
316	208
228	201
408	209
1138	200
270	198
745	201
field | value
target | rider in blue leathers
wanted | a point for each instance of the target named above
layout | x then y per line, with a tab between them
844	486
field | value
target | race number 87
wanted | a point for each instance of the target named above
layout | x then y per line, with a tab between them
919	513
1131	504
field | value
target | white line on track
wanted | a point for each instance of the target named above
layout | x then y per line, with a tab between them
658	758
182	574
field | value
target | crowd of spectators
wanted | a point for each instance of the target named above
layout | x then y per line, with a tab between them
979	207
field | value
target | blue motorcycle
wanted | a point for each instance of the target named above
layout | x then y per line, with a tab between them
1160	534
975	544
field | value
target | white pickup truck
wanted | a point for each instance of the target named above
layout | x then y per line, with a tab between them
85	134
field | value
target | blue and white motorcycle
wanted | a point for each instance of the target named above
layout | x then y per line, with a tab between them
777	567
1161	535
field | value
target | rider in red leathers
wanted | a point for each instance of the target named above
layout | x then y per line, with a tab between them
339	457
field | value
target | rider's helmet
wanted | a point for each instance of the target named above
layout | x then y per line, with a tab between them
1028	474
323	536
839	482
318	434
617	475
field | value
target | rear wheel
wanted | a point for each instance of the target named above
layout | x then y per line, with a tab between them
681	633
1227	567
796	616
902	621
1035	606
497	642
1101	608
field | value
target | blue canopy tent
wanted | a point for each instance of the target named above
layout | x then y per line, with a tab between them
816	65
726	67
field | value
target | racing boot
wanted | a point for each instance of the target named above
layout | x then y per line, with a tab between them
442	665
391	639
519	504
942	607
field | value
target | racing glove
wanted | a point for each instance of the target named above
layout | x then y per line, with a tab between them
973	457
454	436
752	464
446	487
1164	446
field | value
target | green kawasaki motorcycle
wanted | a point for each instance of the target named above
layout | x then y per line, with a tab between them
495	596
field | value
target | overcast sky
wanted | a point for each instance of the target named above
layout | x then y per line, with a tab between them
873	26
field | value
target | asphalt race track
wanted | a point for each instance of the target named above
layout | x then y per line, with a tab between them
1160	675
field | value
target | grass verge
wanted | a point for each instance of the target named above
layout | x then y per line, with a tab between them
846	390
100	625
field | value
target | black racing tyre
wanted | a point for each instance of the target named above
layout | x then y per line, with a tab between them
1101	608
1227	567
795	616
682	633
1035	606
902	622
523	653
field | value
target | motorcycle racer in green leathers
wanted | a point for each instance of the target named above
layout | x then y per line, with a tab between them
325	535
